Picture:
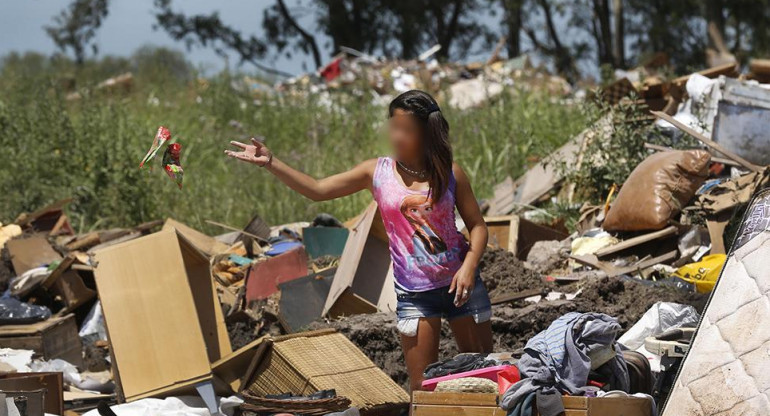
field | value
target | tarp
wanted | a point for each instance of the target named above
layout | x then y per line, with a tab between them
726	370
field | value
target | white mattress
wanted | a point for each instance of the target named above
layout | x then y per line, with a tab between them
727	370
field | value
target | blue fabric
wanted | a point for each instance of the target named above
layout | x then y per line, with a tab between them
556	360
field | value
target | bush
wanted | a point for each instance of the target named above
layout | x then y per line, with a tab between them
90	148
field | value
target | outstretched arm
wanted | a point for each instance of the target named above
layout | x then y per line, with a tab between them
335	186
470	212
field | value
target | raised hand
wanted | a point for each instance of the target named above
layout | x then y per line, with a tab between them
256	152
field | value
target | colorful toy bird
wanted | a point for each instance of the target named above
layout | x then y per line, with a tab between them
170	161
161	137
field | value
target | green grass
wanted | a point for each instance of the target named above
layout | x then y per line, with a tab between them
90	148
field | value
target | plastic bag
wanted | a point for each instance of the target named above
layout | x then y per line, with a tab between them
660	318
704	274
93	326
16	312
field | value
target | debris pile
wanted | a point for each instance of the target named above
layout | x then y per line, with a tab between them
458	85
299	317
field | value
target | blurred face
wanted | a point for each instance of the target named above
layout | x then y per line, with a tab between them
405	135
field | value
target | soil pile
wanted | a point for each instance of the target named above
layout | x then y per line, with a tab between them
503	273
514	324
627	299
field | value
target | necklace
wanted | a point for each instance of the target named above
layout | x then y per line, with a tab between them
419	174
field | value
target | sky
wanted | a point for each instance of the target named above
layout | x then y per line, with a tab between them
129	26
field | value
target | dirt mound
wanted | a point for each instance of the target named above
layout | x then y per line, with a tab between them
514	324
628	299
503	273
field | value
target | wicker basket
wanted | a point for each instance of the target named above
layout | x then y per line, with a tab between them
467	385
308	362
305	407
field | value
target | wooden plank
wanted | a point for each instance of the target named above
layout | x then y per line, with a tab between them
434	410
708	142
452	398
608	268
633	242
510	297
713	72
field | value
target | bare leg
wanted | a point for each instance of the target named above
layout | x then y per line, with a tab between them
470	336
421	350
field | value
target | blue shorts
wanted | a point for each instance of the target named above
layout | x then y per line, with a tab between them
439	303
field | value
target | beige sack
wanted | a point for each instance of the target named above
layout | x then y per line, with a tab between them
657	190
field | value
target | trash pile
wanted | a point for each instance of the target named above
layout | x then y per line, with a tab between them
459	85
299	318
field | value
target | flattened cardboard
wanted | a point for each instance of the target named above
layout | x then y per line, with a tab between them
365	267
202	242
265	276
539	180
50	383
31	252
302	300
161	314
324	241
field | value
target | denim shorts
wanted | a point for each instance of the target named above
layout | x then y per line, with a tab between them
439	302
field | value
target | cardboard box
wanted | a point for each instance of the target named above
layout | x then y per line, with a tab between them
364	280
206	244
53	338
50	384
486	404
265	276
517	235
163	318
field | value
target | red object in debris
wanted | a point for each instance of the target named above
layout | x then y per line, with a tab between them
264	277
332	70
506	378
496	374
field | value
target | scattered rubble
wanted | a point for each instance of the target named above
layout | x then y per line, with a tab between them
237	312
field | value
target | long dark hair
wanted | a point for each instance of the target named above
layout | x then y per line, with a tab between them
438	150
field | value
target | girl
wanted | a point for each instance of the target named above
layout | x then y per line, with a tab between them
417	191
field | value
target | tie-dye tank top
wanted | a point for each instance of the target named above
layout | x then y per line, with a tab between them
426	248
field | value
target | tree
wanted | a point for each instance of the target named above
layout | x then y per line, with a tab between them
75	27
401	28
512	15
209	30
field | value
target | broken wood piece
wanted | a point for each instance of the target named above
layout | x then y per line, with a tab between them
670	149
84	241
713	72
612	271
510	297
708	142
231	228
633	242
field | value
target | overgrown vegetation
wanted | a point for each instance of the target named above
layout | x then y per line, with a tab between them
90	148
